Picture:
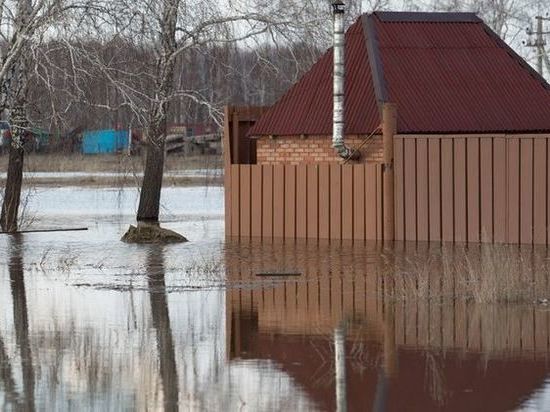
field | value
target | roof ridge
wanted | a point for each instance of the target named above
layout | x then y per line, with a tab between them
441	47
427	17
375	58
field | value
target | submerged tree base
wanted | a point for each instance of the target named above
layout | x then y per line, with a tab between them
150	233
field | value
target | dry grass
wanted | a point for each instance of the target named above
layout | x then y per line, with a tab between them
479	273
128	169
109	163
501	273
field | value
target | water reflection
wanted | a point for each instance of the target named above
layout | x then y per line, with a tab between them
161	322
404	350
362	328
21	322
340	368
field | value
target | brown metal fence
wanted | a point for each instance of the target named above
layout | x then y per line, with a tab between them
471	189
314	201
317	201
446	188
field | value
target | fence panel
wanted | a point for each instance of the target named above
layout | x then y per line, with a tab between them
422	195
347	201
379	183
460	190
526	191
486	189
245	201
324	190
278	201
256	201
513	194
313	201
410	189
398	189
359	202
235	200
301	201
434	187
335	201
267	200
447	184
539	195
472	178
290	201
371	203
499	190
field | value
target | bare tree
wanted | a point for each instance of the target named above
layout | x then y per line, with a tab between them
149	201
23	25
14	74
182	27
173	31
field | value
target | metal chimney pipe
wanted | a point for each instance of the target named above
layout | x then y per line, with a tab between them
338	9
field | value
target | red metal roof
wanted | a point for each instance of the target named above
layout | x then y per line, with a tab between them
307	107
447	73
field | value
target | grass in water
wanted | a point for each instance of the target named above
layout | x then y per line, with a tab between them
479	273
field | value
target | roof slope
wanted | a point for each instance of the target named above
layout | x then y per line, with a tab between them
307	107
447	73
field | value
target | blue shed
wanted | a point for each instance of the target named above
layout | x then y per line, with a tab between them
104	141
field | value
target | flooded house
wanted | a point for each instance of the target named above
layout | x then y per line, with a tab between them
431	129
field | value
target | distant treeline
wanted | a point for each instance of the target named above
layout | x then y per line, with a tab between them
73	90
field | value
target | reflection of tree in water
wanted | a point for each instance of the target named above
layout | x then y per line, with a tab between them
161	323
21	323
6	374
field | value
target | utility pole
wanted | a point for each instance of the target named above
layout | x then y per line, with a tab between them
539	42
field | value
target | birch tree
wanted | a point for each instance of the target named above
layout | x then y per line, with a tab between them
171	29
23	25
149	201
14	73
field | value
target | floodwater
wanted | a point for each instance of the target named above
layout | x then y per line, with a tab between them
90	323
73	175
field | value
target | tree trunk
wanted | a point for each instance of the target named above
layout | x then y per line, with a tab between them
149	199
13	97
12	193
14	181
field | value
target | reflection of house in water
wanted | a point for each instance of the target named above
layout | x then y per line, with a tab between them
401	354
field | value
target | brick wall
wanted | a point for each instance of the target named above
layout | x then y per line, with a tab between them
313	149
